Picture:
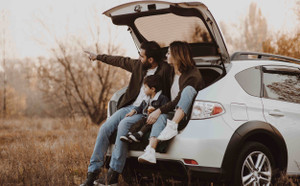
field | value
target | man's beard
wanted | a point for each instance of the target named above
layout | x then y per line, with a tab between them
147	65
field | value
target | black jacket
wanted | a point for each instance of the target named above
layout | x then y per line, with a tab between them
156	103
193	78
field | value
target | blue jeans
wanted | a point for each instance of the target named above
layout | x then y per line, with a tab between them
119	154
159	125
186	99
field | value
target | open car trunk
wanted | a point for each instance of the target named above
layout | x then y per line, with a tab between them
165	22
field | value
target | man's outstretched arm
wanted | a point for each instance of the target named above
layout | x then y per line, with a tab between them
123	62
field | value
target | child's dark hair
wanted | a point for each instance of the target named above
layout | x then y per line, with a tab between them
153	81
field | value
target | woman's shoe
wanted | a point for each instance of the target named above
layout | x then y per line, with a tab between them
169	131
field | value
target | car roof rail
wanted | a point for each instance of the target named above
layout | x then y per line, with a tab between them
260	55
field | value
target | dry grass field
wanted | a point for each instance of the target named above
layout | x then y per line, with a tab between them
50	152
45	152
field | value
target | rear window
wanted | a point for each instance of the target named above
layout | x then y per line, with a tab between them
282	83
167	28
250	80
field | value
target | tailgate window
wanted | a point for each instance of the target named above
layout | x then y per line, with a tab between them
166	28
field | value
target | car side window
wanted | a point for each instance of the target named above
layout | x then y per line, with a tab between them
250	80
281	83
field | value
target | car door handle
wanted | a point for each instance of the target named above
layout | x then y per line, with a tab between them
276	113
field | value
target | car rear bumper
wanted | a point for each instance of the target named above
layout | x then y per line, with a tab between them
174	169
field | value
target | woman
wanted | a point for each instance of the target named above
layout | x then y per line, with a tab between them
186	82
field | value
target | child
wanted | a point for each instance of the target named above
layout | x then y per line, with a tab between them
155	99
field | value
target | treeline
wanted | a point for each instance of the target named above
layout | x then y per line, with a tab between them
63	87
253	34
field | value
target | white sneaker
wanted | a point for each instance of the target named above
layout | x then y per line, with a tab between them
169	131
148	156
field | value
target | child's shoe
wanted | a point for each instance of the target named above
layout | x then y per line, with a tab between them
148	156
126	138
136	137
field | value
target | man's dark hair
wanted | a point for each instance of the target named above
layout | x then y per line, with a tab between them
153	81
152	49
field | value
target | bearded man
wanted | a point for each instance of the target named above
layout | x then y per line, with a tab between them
150	62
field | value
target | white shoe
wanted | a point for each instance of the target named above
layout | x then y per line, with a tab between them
169	131
148	156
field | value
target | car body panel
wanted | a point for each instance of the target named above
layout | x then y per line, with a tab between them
210	135
289	125
233	95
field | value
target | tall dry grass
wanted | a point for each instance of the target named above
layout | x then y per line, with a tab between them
45	151
55	152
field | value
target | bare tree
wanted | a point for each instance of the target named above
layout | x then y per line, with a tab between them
199	34
297	10
255	28
3	51
75	84
250	33
285	44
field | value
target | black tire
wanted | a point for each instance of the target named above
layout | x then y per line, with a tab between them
252	172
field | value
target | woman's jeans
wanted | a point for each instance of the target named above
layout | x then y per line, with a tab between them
186	99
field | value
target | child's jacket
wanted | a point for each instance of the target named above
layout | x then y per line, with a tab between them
157	101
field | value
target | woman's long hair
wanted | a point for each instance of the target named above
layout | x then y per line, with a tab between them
182	55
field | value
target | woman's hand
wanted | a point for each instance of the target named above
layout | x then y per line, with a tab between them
92	56
153	116
131	113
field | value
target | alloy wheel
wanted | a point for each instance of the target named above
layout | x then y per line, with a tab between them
256	169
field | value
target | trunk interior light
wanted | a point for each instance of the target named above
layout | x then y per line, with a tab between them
204	110
190	162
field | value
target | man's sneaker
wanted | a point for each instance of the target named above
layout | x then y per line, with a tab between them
136	137
91	177
111	178
169	131
148	156
126	138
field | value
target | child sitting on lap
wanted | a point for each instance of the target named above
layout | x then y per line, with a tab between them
155	99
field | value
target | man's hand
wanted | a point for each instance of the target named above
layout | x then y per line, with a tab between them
153	116
131	113
92	56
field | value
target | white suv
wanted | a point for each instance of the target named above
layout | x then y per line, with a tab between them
244	126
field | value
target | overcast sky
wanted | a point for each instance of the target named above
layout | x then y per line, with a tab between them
75	15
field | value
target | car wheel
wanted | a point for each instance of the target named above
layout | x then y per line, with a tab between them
254	166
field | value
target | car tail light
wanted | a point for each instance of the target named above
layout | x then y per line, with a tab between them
204	110
190	162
